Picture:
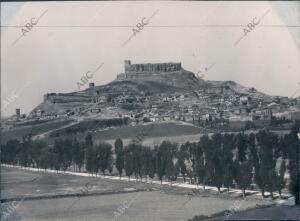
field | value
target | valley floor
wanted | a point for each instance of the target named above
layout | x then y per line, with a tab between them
39	195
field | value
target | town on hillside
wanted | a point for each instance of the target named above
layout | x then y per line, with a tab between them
153	93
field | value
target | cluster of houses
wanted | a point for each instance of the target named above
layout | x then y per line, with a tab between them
208	104
210	107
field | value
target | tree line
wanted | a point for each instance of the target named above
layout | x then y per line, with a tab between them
221	160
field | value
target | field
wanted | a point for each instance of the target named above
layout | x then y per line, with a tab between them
48	196
19	132
159	130
179	132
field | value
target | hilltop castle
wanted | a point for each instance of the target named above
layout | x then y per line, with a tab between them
135	70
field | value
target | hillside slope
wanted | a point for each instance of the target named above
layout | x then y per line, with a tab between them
140	91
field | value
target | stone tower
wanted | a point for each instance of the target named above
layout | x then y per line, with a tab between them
18	112
127	64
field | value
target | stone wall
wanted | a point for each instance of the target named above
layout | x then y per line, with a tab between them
134	71
159	67
63	98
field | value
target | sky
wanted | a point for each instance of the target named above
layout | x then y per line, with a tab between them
72	38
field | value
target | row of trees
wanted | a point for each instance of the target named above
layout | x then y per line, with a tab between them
218	160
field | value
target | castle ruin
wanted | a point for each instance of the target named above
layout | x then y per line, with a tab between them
135	70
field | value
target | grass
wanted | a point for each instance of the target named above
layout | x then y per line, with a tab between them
161	131
19	132
173	131
164	203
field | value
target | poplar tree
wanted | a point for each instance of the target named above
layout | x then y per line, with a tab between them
268	143
217	172
208	150
10	151
104	157
148	159
164	160
293	156
183	155
242	163
78	153
281	182
227	159
119	150
128	161
89	153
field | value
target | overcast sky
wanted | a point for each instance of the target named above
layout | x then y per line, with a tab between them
72	38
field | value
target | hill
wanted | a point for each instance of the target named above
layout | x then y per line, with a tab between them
156	93
149	85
